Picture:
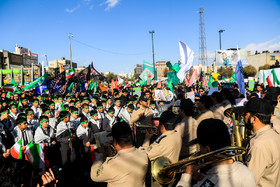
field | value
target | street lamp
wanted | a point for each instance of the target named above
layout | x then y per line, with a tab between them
153	52
70	35
220	31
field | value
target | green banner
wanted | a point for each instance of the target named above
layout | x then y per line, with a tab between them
37	83
251	85
8	71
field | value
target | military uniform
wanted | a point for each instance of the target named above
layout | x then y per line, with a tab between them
127	168
226	104
147	117
275	123
263	157
167	145
205	114
187	130
230	175
218	111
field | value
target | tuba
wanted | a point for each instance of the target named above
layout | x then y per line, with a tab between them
152	129
164	171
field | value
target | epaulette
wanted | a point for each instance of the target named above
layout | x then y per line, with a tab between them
160	138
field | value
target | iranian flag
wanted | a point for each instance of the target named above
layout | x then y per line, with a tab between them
36	155
70	74
16	150
9	87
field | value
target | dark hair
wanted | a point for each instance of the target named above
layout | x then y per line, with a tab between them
111	109
122	134
186	106
168	120
43	117
22	115
73	109
84	105
264	118
213	133
217	96
93	112
272	97
83	118
62	115
29	110
207	101
20	120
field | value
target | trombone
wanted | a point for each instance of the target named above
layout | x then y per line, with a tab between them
163	171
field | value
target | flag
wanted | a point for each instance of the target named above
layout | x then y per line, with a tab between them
92	154
120	80
150	67
159	84
39	82
233	78
70	74
194	77
9	87
174	67
214	87
269	82
16	150
13	81
275	77
19	103
187	56
57	84
113	86
239	74
215	76
35	155
172	80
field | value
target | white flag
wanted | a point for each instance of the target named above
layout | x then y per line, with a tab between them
187	56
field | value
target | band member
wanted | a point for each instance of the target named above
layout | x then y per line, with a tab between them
168	144
204	105
212	134
128	167
187	128
263	149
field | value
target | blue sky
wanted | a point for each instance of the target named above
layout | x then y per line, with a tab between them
117	31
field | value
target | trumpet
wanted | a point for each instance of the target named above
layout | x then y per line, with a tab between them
150	128
163	171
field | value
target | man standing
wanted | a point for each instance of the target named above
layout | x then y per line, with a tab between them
263	157
128	167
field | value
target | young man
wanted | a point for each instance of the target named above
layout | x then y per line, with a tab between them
263	150
32	123
13	113
6	127
44	133
117	108
204	105
154	108
93	122
52	121
37	111
85	111
74	119
52	109
85	134
126	114
168	144
65	135
128	167
109	120
187	128
21	132
212	134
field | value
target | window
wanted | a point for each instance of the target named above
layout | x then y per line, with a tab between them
272	57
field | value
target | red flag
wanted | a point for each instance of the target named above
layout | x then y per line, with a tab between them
159	84
116	84
112	85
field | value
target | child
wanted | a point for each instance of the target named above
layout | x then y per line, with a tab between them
109	120
32	123
93	123
44	133
126	114
85	111
21	132
74	119
154	109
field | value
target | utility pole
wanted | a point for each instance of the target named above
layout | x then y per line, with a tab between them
220	31
69	36
47	61
153	53
202	40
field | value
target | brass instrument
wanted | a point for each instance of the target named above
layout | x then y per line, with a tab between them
164	171
239	131
109	151
152	129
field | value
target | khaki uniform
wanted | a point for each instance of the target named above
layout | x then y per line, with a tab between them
206	114
127	168
187	130
167	145
146	118
218	111
229	175
226	104
263	157
276	123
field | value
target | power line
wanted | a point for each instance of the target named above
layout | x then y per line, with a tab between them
107	51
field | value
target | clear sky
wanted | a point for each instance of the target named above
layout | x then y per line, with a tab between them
114	34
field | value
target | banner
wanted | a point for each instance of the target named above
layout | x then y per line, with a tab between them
8	71
57	85
38	82
230	57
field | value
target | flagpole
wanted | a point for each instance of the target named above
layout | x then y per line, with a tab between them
32	72
12	74
21	75
153	52
1	78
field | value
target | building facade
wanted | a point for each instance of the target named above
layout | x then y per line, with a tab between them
61	62
259	59
161	69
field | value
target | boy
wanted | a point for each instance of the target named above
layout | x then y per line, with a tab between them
32	123
44	133
74	119
21	132
109	120
93	122
85	111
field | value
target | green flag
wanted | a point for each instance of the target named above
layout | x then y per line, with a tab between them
13	81
9	95
172	80
210	81
37	83
233	78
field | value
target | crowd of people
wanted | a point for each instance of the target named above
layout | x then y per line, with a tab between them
142	129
